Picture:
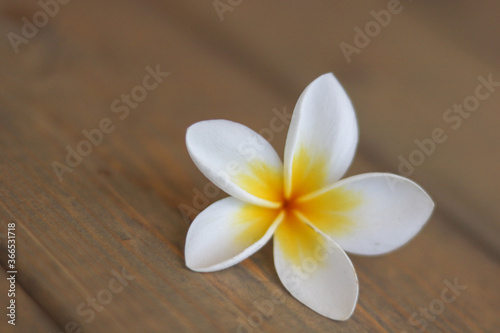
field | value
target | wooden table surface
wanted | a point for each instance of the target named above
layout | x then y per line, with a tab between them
112	225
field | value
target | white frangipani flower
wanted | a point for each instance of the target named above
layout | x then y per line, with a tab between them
313	216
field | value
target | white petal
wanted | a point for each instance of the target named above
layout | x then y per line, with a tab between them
315	270
322	137
227	232
238	160
370	214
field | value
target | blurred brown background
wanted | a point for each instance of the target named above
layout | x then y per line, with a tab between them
100	247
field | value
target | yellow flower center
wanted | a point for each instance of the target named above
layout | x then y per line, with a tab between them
303	205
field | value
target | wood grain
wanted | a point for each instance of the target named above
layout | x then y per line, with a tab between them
117	213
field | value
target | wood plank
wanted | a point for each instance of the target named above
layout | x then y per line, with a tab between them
119	208
420	278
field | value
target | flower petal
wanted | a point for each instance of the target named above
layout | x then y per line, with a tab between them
227	232
369	214
322	137
314	269
238	160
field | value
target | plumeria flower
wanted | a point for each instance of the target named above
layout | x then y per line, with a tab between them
313	216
